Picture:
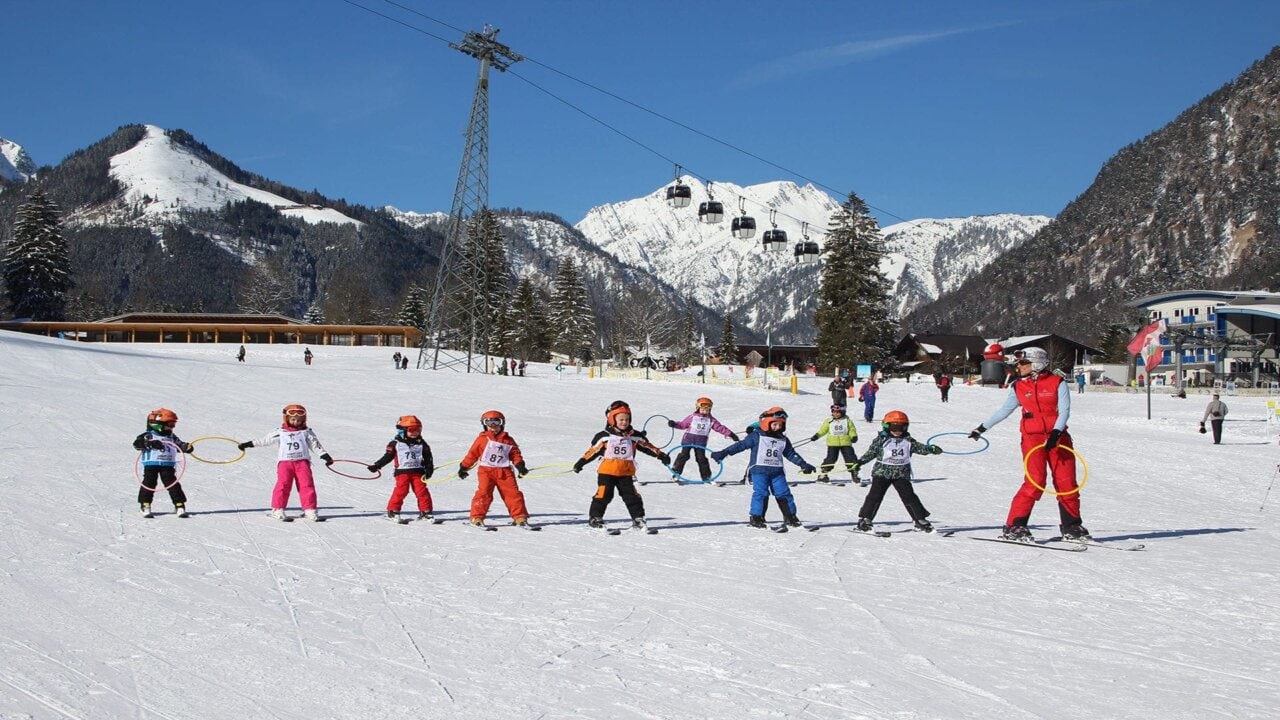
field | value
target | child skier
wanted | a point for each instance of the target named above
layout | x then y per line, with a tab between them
768	447
412	456
893	449
841	435
296	441
160	449
697	426
496	452
618	444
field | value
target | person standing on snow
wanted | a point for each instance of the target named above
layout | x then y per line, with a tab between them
1215	412
841	435
944	385
496	453
892	449
306	356
698	426
160	448
240	355
296	442
769	446
839	389
867	396
617	444
1045	402
414	464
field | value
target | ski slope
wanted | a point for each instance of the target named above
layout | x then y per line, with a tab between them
230	614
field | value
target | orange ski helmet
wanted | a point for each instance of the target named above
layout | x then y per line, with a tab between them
617	412
160	417
773	420
493	420
296	411
700	402
895	420
615	405
409	422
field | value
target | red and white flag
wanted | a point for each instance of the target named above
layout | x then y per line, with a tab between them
1147	343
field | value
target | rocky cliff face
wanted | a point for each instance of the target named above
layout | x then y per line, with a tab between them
1194	204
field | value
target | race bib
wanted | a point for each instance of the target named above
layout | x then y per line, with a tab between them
769	452
293	445
408	457
896	452
496	454
620	448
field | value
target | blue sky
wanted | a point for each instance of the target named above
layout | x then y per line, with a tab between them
925	109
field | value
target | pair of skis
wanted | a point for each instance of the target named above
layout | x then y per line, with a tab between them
618	531
1068	545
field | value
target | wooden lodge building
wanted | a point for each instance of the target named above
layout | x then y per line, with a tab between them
218	328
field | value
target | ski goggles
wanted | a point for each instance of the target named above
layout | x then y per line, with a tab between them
295	412
493	422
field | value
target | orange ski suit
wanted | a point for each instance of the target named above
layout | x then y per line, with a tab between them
496	454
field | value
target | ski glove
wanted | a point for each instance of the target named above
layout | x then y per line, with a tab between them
522	469
671	423
1052	442
815	437
808	469
245	445
462	473
733	436
977	432
155	444
577	467
717	456
935	450
664	458
328	461
1202	430
373	468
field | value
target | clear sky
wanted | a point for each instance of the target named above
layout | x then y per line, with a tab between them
930	108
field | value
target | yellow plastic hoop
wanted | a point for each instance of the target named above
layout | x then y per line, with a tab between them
1026	471
555	468
237	458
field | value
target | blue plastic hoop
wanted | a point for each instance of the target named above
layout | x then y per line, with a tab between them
644	428
711	479
950	452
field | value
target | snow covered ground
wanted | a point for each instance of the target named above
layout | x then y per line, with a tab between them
231	614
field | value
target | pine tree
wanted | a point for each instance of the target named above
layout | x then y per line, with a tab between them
728	347
413	311
315	314
572	318
853	318
37	269
687	350
531	339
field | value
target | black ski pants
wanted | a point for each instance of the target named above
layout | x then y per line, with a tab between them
699	456
625	486
840	451
880	486
166	475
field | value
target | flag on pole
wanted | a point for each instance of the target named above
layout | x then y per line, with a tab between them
767	341
1147	343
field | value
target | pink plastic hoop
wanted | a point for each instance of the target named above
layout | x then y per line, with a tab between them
354	477
181	471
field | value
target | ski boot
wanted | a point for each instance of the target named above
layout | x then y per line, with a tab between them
792	521
864	525
144	509
311	515
393	516
639	523
426	516
1075	532
757	521
596	522
180	510
1017	533
823	478
278	514
924	526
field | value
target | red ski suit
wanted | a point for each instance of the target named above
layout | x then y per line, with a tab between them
496	454
1038	396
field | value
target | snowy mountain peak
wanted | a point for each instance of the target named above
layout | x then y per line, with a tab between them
769	291
162	178
15	164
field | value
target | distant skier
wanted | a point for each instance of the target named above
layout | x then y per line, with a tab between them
867	396
1215	413
839	389
944	385
240	355
306	356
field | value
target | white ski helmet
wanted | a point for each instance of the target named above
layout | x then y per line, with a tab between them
1038	358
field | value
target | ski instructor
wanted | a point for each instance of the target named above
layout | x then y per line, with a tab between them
1045	401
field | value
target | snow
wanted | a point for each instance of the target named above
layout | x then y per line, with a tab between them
174	179
231	614
15	164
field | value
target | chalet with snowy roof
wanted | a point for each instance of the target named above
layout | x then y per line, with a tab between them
929	354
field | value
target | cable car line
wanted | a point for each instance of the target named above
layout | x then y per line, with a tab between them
590	116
